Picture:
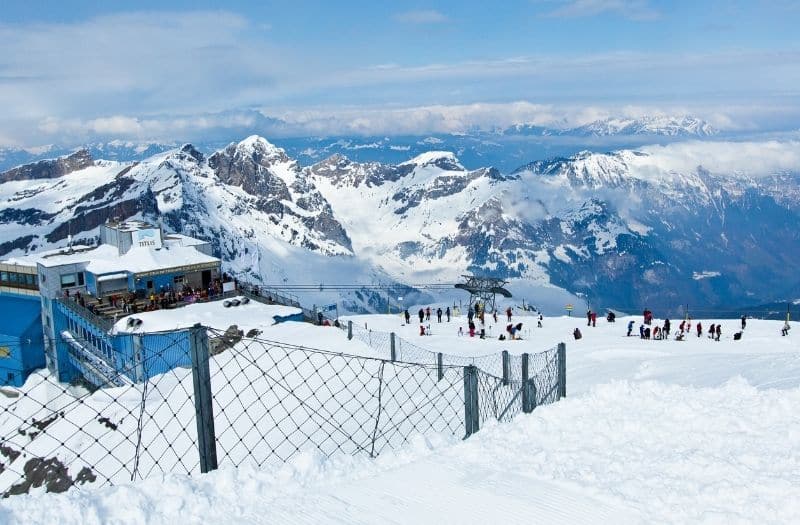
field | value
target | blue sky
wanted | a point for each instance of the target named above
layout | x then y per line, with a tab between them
171	69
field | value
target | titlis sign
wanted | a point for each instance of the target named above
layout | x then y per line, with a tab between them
150	238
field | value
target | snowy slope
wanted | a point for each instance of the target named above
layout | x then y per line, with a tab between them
649	219
651	432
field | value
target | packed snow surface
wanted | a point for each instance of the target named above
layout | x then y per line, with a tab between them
651	431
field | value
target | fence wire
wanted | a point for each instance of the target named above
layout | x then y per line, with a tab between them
270	400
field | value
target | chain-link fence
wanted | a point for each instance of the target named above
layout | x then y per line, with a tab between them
254	401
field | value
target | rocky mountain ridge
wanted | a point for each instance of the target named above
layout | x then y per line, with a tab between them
614	226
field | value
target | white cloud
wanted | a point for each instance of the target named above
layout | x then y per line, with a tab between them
748	159
147	61
421	16
127	75
631	9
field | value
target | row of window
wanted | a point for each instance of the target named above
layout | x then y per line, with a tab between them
98	344
19	280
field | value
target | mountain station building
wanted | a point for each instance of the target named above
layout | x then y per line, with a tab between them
59	306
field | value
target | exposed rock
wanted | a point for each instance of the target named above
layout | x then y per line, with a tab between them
49	169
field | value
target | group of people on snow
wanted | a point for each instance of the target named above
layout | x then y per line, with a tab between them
476	321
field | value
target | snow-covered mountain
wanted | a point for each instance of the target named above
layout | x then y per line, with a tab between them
620	227
668	126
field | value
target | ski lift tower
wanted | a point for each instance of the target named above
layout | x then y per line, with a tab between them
483	289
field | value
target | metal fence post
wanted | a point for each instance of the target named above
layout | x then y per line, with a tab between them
138	358
349	330
392	347
562	370
204	412
439	364
471	407
505	367
528	387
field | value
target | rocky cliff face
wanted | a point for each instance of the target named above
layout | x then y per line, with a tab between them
49	169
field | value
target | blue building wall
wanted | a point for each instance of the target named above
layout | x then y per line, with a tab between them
137	357
21	338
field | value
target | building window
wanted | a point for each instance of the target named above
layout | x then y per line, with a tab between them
69	280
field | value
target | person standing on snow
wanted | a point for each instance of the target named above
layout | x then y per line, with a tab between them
744	321
407	316
447	313
699	329
719	332
439	314
428	313
508	313
421	315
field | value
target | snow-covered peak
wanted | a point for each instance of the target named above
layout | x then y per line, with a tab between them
663	125
650	125
258	150
445	160
257	143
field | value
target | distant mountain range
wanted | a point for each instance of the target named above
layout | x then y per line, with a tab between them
666	126
505	149
617	227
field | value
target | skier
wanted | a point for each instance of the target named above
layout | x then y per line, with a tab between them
407	316
439	314
470	314
428	313
577	334
711	332
594	319
421	315
666	328
719	332
641	331
588	318
508	313
447	313
744	322
630	327
785	329
539	324
699	329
